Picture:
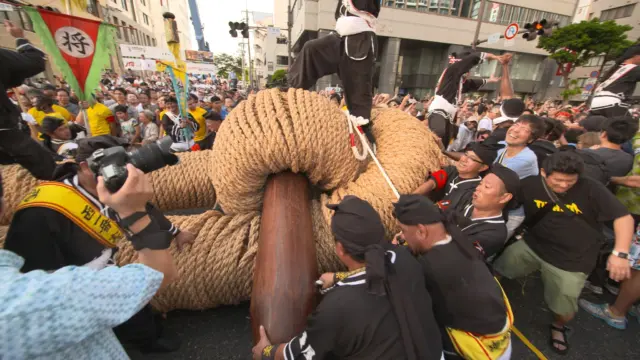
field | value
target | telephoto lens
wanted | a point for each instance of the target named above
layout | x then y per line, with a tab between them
154	156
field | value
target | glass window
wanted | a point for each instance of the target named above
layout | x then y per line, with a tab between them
25	21
143	2
125	31
282	60
124	5
115	21
145	18
617	13
465	10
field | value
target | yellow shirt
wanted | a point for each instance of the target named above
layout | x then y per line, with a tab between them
162	132
198	115
99	117
58	112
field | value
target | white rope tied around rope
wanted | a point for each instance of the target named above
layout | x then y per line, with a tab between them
357	122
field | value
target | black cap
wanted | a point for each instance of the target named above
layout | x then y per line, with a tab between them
357	226
594	123
487	152
51	123
509	177
416	209
87	146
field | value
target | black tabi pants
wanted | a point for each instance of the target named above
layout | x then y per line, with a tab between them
18	147
332	54
441	126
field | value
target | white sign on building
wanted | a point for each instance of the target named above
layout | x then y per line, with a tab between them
148	52
198	68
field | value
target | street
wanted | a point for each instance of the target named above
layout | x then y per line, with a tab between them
225	334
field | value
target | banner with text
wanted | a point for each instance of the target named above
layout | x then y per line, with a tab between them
202	69
195	56
145	52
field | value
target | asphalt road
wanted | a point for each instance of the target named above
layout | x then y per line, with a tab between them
224	333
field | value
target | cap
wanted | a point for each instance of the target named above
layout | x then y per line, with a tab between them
356	221
416	209
87	146
487	152
509	177
594	123
50	124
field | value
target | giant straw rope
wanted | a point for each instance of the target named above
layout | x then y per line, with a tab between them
271	132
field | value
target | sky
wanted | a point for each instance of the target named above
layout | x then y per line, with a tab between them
215	16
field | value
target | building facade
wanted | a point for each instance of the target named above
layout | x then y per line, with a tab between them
269	50
415	38
179	8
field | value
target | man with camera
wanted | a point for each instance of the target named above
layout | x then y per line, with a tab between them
15	145
69	313
64	223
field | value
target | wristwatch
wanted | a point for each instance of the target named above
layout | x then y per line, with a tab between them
621	255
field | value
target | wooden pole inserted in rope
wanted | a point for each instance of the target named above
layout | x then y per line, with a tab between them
286	266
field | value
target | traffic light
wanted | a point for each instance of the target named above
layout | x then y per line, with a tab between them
542	28
532	31
235	26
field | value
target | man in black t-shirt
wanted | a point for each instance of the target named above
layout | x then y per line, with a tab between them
459	182
456	275
380	309
563	242
482	221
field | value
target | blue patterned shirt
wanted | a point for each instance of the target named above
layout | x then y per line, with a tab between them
69	314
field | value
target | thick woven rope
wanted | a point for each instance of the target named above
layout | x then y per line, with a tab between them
271	132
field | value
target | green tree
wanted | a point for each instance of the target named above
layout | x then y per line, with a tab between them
571	90
277	79
578	43
227	63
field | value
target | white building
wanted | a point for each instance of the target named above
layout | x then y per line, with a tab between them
179	8
269	50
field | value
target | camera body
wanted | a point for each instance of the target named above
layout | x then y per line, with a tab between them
111	163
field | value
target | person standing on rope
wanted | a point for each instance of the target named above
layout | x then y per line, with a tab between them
15	145
379	309
452	84
612	96
350	52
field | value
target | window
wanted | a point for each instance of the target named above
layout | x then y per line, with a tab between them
125	31
4	15
145	18
92	8
25	21
154	42
148	40
143	2
282	60
281	40
617	13
115	21
580	82
595	61
124	5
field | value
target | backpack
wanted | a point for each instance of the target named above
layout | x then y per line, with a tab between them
594	167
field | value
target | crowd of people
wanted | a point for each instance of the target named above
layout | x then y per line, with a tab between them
531	186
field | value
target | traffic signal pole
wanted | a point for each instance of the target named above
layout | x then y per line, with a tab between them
478	24
478	42
246	13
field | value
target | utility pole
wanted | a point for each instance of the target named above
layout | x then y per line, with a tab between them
246	13
242	58
479	23
289	26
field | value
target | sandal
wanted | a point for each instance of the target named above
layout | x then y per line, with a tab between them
553	342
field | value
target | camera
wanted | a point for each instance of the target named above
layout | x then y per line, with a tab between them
111	163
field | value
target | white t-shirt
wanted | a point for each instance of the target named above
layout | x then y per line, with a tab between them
485	124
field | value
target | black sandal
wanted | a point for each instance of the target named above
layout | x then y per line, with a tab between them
553	342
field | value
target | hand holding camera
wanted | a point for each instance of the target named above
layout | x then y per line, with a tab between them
111	163
132	197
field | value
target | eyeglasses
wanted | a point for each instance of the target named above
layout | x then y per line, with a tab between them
466	154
